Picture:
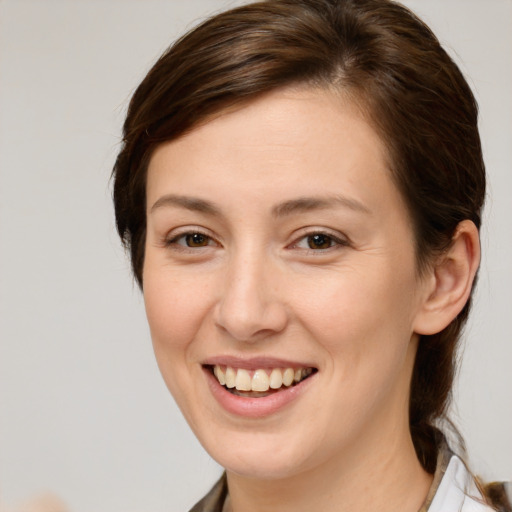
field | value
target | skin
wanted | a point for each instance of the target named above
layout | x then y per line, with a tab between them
254	287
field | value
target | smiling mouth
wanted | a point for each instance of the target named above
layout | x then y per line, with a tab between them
261	382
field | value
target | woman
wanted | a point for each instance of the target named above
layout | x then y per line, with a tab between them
300	188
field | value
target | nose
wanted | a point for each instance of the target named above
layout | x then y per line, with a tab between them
250	308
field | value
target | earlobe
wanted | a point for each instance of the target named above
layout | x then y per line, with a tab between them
450	281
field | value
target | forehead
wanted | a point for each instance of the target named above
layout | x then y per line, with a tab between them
293	141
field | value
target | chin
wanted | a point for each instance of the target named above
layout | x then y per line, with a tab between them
260	466
267	456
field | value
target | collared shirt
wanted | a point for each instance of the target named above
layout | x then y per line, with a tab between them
453	489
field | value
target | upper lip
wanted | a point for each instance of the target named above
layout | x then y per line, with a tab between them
254	363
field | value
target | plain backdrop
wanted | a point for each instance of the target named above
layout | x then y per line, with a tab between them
83	410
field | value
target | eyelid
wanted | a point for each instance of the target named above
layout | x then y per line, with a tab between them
177	233
340	239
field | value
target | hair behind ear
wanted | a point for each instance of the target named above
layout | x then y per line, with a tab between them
450	278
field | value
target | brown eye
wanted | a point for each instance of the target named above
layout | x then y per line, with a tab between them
196	240
191	240
320	241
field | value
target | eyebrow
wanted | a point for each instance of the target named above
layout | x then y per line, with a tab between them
298	205
189	203
304	204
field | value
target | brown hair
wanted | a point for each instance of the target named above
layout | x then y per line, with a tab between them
387	61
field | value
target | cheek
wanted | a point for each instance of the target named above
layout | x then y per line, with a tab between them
362	318
176	307
357	299
174	301
363	323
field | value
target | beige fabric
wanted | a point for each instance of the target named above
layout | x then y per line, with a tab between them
214	500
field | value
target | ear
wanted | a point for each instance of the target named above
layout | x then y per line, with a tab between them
449	282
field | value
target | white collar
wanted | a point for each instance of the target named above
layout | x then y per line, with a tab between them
457	491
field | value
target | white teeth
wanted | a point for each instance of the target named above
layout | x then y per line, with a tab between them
260	380
276	379
230	376
288	376
217	371
243	380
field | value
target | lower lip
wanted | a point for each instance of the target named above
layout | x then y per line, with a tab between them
255	407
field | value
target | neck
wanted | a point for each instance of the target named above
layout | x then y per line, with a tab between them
384	476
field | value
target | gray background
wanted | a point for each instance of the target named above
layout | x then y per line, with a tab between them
83	410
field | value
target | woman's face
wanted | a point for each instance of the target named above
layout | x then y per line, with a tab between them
279	248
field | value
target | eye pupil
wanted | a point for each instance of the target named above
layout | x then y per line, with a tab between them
196	240
319	241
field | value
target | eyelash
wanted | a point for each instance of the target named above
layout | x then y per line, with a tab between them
174	241
335	242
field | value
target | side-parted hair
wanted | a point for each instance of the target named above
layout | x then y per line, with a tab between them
380	56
